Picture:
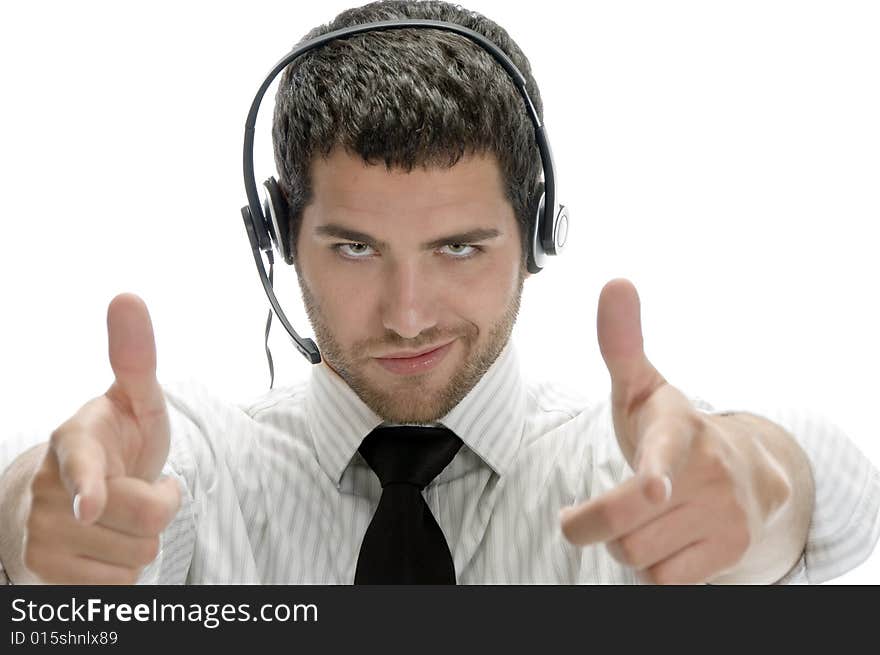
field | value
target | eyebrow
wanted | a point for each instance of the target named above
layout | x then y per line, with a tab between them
342	232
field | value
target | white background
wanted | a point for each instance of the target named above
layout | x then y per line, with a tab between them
725	157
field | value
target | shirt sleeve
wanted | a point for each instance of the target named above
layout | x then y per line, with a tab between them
10	448
845	525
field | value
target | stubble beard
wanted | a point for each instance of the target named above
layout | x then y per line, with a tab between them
411	400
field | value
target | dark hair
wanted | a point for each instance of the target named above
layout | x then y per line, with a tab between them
407	97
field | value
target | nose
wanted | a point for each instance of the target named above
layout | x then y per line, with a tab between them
409	306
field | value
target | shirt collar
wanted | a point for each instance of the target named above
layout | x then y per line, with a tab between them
489	419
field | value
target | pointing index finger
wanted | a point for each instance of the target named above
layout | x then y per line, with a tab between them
613	514
82	468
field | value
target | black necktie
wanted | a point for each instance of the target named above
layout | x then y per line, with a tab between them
403	543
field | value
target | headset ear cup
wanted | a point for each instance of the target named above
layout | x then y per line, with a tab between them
276	212
256	230
536	220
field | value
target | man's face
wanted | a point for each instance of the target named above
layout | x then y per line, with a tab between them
409	280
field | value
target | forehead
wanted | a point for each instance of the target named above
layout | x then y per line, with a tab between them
344	185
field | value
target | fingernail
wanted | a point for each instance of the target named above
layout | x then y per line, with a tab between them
563	513
667	485
76	501
651	492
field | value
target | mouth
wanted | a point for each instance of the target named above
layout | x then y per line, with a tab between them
420	362
414	354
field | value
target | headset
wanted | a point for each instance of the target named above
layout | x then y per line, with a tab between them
267	225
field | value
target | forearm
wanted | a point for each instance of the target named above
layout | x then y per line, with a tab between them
14	505
784	493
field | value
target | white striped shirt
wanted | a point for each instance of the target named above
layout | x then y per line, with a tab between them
277	492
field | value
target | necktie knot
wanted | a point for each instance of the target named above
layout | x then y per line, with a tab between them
409	454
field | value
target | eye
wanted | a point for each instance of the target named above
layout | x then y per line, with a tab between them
353	250
357	249
474	250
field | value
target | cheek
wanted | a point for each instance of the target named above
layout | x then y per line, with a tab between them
347	300
337	296
483	293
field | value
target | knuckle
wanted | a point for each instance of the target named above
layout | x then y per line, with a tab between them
61	434
705	427
698	423
57	436
779	490
716	465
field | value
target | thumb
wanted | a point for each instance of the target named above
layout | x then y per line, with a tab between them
619	329
132	350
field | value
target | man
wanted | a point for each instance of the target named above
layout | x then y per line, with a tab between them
408	165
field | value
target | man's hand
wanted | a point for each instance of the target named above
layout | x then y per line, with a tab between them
97	509
709	499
